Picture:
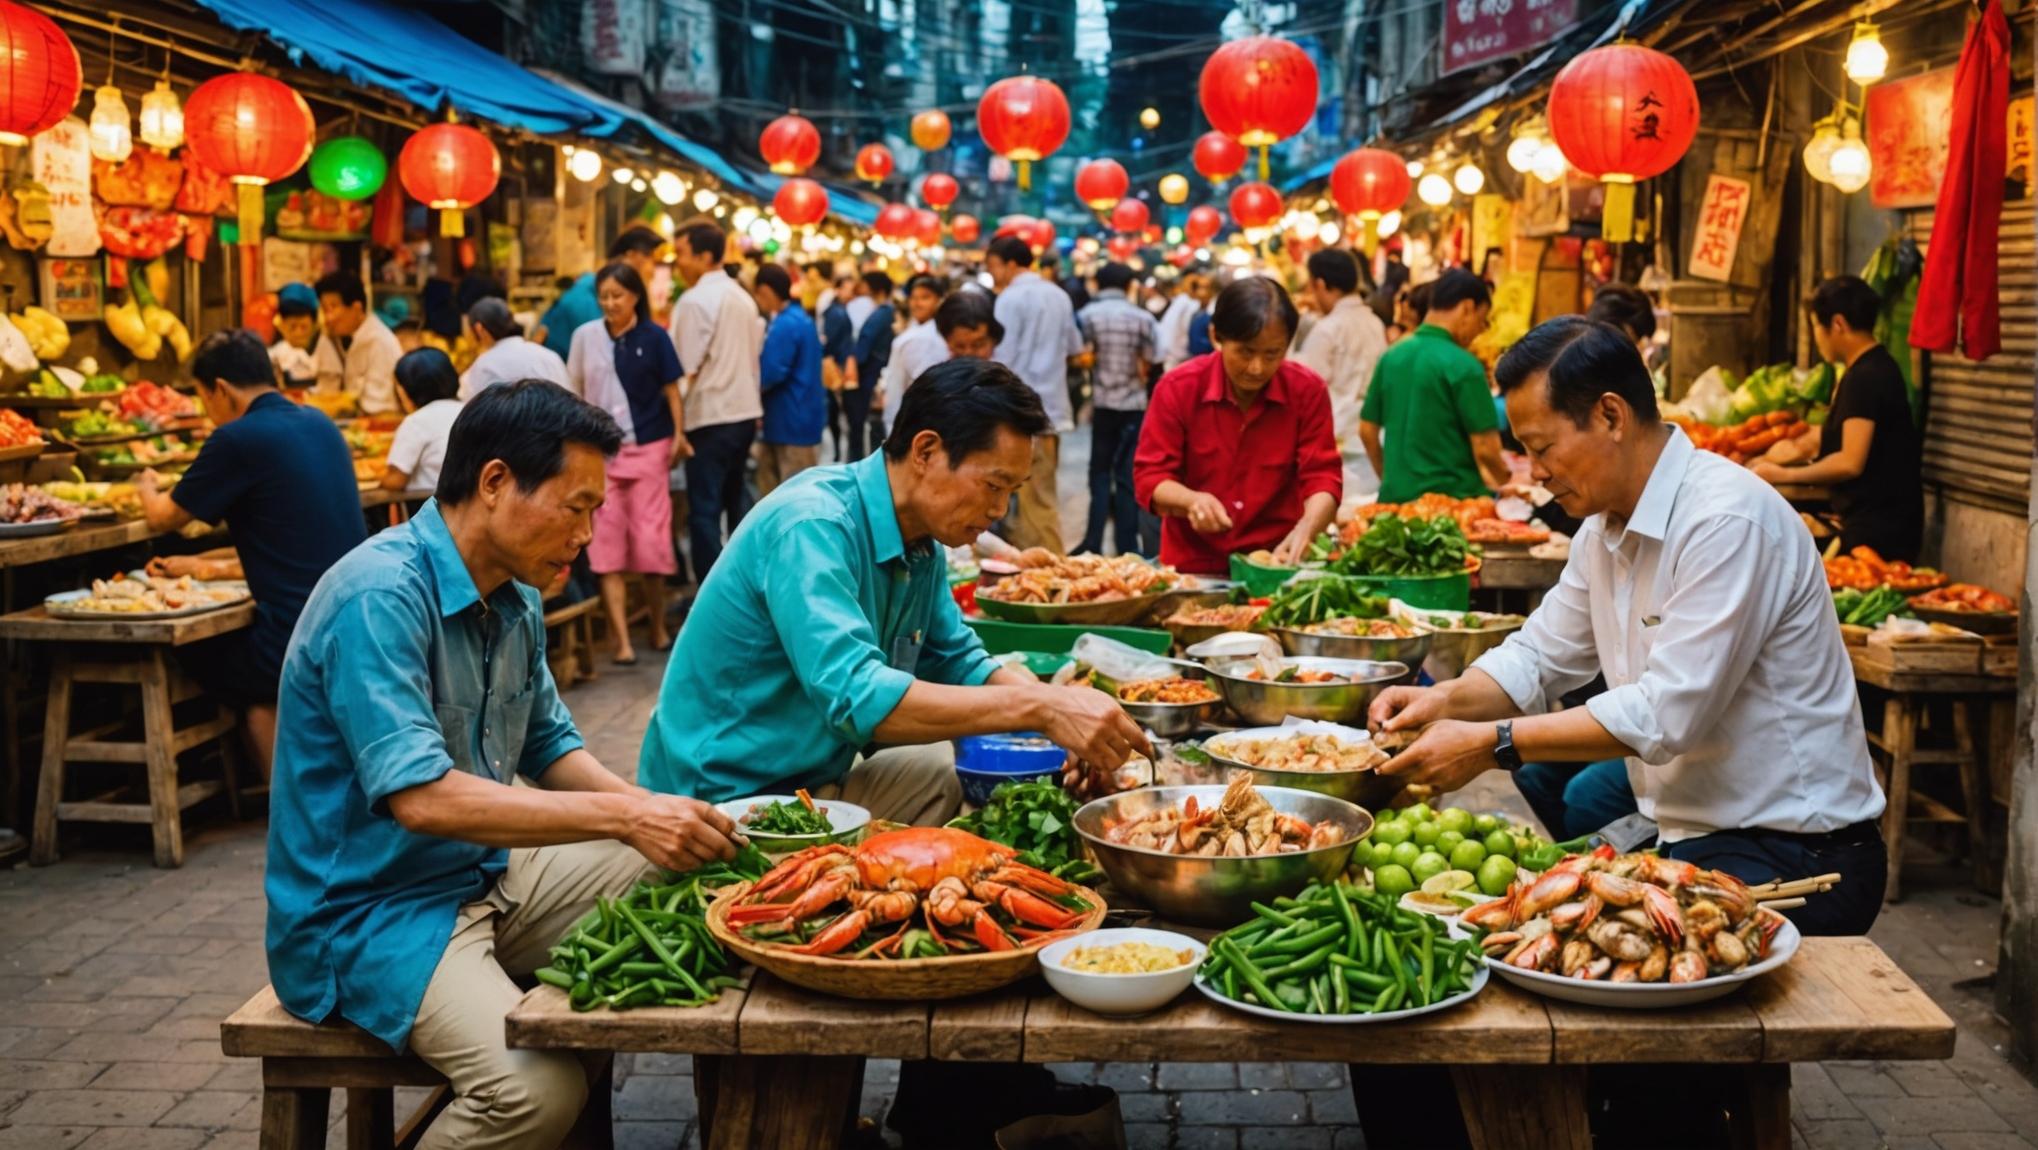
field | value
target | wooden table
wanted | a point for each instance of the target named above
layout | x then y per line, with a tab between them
781	1066
83	539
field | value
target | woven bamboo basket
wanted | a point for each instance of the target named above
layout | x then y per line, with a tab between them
926	979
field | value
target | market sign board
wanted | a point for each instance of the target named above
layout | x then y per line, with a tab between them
1480	31
1720	217
1910	132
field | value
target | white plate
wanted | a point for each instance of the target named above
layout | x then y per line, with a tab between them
1452	929
38	527
1652	995
846	820
61	604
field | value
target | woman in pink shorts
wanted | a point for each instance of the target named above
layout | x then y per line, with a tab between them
626	365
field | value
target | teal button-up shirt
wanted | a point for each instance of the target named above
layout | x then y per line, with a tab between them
805	636
398	672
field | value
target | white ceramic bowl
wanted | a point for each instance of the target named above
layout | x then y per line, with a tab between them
1120	993
1652	995
846	823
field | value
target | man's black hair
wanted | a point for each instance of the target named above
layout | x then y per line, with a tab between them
1848	296
927	283
969	309
626	277
1583	360
1114	277
235	357
1624	305
636	240
777	279
346	285
1012	250
880	285
527	425
705	238
1246	307
1455	287
823	268
1418	299
965	402
1336	268
427	375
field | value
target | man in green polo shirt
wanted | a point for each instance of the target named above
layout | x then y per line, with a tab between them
827	625
1430	398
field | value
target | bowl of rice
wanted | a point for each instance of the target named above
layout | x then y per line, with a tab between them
1123	970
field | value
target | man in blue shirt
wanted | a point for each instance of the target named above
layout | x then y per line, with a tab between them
408	880
828	624
281	478
795	405
866	365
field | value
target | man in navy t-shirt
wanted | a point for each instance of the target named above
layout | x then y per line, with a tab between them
282	479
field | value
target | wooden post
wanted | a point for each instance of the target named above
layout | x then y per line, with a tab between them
1899	739
159	728
56	730
1524	1107
2017	961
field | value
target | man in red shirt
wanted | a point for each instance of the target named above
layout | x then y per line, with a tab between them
1238	451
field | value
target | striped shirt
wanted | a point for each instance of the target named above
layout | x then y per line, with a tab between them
1123	335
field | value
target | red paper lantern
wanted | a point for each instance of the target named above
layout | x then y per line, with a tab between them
1039	235
1370	182
1023	118
930	130
874	163
927	227
1203	225
1622	114
800	202
1255	206
1122	248
41	81
939	190
1101	184
451	167
1129	216
1259	91
252	129
966	229
1218	156
896	221
790	144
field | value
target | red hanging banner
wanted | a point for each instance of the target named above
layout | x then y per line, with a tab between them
1477	31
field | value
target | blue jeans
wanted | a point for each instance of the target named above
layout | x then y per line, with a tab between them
715	488
1114	438
1573	799
1757	855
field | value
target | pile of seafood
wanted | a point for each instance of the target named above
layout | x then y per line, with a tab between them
1176	690
1362	628
1085	579
1243	825
122	595
1627	918
1309	751
1230	616
921	892
1290	673
20	503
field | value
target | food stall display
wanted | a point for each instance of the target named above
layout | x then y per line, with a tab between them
1864	570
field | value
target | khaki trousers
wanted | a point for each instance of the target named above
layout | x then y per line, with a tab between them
912	785
503	1098
1037	520
778	462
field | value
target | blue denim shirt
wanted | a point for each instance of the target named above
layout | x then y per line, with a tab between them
789	375
398	673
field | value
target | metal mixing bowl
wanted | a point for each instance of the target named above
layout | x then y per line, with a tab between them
1367	789
1174	720
1267	703
1409	651
1216	891
1454	649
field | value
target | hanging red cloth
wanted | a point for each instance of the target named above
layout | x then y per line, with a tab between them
1957	296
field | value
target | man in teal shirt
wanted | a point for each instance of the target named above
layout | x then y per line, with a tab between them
827	625
1431	398
408	880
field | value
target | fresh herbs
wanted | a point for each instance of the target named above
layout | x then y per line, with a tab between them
800	818
1393	545
1305	601
1038	818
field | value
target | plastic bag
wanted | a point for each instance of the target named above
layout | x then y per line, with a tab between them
1709	396
1119	662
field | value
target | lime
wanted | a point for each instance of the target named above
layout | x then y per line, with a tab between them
1500	842
1448	841
1468	855
1425	833
1455	819
1393	833
1393	880
1405	854
1430	865
1496	874
1485	824
1450	880
1419	811
1379	855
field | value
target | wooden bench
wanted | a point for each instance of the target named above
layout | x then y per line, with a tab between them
573	659
781	1066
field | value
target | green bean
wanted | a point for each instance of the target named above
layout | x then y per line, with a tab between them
1250	975
1306	964
553	976
1300	943
1351	919
1367	980
1381	1000
1272	915
1340	993
614	955
1428	966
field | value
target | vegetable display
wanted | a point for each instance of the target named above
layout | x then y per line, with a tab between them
16	430
1965	597
651	947
1393	545
1412	846
1337	949
1780	387
1864	570
1308	601
1038	819
800	818
1869	608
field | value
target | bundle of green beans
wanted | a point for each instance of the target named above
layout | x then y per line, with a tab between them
1339	949
652	946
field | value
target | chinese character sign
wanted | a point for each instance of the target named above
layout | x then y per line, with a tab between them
62	161
1477	31
1718	237
1910	129
2018	155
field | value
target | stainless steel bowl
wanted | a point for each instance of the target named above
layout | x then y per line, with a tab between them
1266	703
1216	891
1174	720
1106	613
1409	651
1452	650
1367	789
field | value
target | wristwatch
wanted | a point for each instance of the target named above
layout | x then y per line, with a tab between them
1503	747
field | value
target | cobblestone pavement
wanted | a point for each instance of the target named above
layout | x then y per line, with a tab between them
114	976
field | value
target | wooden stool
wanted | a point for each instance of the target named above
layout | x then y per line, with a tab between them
574	624
303	1063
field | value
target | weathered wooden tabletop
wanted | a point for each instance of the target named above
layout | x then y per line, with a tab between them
1876	673
36	624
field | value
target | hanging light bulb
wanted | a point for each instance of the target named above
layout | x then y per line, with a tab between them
1867	59
1174	235
1150	118
758	229
638	185
112	130
1550	164
1818	151
624	175
1433	190
1174	188
162	119
1415	169
1389	224
584	165
743	217
1327	234
1468	179
705	199
668	188
1529	137
1850	162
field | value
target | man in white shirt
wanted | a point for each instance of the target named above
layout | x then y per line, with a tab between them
1696	590
506	356
357	352
1174	322
716	329
917	348
1342	347
1040	336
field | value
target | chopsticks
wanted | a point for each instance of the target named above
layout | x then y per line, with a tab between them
1776	892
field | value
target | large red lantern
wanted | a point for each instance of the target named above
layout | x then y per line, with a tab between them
1023	118
790	144
451	167
1129	216
1218	157
1255	206
800	203
1622	114
1369	183
896	222
1203	225
252	129
927	227
939	190
40	84
1101	184
966	229
873	163
1259	91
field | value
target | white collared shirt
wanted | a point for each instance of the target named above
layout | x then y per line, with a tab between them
719	340
1174	330
512	358
916	349
1343	348
1040	336
367	369
1709	614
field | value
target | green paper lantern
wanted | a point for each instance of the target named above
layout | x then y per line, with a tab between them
348	168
